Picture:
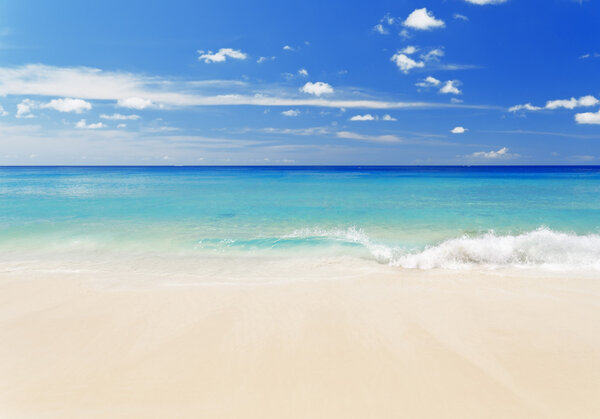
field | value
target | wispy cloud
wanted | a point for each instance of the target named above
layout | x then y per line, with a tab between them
291	112
137	91
294	131
383	27
369	117
373	138
261	60
498	154
221	55
429	81
524	107
484	2
424	140
83	125
545	134
120	117
572	103
589	55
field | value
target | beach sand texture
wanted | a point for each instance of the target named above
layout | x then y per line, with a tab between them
388	344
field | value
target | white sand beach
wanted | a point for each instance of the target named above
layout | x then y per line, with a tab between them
389	343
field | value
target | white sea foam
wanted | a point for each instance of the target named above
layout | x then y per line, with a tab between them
541	248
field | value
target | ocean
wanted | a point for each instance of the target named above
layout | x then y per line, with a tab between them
204	220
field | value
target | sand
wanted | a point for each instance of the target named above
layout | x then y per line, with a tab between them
385	344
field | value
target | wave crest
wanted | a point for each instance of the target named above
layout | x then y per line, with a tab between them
539	248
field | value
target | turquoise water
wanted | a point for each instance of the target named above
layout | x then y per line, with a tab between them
412	217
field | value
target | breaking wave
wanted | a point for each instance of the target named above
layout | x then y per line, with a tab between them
539	248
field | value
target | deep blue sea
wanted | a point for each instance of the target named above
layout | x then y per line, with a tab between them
407	217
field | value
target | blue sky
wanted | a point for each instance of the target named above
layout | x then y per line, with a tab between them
313	82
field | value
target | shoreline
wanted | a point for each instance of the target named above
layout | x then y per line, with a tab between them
376	344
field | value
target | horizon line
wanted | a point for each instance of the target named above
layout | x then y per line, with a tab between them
301	165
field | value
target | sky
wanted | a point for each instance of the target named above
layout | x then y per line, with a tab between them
447	82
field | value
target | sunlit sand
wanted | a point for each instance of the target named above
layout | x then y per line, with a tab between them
379	343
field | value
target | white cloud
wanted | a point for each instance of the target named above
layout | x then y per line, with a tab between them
24	108
288	48
588	101
62	105
458	130
134	103
68	105
583	101
460	17
588	118
526	107
499	154
303	72
434	54
319	88
83	125
584	157
429	82
95	84
450	87
422	19
291	112
409	50
373	138
221	55
482	2
3	111
572	103
297	131
370	117
385	21
119	117
432	80
455	100
365	117
121	125
562	103
405	63
379	28
263	59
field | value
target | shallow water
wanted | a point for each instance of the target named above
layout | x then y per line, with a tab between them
409	217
